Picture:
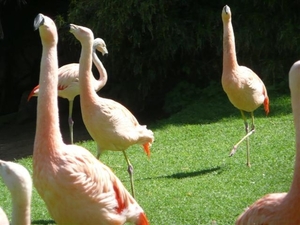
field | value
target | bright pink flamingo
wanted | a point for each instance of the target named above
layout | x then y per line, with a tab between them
109	123
244	88
18	181
281	208
68	80
76	187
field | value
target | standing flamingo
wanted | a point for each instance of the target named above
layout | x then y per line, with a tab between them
76	187
109	123
18	181
244	88
68	80
281	208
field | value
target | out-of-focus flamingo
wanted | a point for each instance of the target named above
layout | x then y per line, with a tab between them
244	88
18	181
3	218
76	187
110	124
281	208
68	80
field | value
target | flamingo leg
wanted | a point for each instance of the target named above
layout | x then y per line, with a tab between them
130	171
248	133
70	120
98	152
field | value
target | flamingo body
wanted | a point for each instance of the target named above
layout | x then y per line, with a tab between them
244	88
76	187
113	126
281	208
18	181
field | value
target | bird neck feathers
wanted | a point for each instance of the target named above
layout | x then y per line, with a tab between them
47	128
85	72
229	53
102	72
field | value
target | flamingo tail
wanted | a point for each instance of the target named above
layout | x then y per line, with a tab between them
266	105
33	92
142	220
147	148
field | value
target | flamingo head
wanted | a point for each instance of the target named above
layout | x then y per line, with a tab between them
16	178
100	45
226	13
81	33
47	29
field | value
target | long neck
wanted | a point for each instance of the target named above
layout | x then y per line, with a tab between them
229	53
295	187
85	72
102	72
48	135
20	212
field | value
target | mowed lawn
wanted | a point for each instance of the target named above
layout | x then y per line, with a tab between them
190	178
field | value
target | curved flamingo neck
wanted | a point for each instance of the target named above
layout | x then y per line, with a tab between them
48	135
229	53
102	72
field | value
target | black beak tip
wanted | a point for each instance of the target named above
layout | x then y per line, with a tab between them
38	21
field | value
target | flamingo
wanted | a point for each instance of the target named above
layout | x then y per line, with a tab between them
281	208
244	88
110	124
68	80
75	186
18	181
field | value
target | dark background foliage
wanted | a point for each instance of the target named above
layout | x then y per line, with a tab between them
162	54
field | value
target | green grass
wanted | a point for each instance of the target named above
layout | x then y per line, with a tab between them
189	178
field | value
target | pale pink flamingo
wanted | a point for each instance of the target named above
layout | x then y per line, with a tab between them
281	208
76	187
110	124
244	88
18	181
68	80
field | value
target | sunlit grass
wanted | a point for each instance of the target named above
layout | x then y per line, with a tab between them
189	178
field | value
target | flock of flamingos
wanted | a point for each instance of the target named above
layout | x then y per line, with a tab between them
75	186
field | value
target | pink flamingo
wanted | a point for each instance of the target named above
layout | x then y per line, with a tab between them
109	123
68	80
18	181
76	187
244	88
281	208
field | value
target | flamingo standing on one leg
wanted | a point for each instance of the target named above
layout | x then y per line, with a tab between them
76	187
244	88
18	181
68	80
281	208
109	123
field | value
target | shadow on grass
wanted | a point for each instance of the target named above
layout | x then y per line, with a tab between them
43	222
183	175
192	174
